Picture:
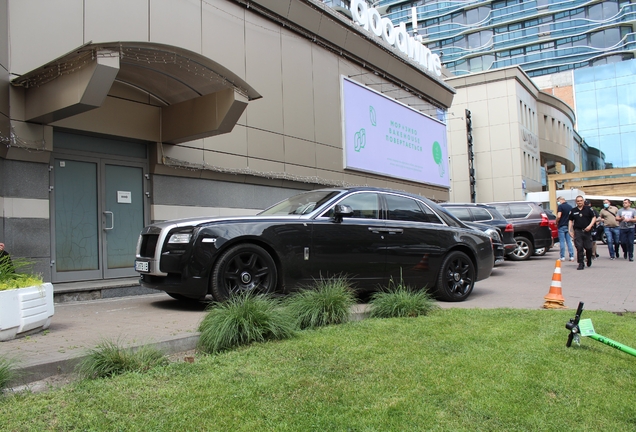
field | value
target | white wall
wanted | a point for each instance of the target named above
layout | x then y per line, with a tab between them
509	135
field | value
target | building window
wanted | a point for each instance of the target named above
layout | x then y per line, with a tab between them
479	39
602	10
477	15
458	18
606	38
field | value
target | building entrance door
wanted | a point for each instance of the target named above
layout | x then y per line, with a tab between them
97	217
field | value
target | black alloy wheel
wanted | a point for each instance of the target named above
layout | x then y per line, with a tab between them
456	278
523	251
245	268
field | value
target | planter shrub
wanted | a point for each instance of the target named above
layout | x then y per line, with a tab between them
26	304
241	320
7	373
25	310
109	359
327	302
399	300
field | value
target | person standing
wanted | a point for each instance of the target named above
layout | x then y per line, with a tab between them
610	226
562	219
582	221
594	231
626	217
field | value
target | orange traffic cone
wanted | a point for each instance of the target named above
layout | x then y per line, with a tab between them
554	299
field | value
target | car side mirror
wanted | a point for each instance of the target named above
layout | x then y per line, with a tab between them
341	211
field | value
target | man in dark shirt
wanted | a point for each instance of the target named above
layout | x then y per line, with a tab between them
582	220
563	213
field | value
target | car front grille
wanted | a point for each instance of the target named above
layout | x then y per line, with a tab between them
148	245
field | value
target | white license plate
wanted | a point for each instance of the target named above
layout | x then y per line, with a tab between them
141	266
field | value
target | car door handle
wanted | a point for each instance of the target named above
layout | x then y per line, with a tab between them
386	230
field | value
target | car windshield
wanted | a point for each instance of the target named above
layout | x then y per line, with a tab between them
300	204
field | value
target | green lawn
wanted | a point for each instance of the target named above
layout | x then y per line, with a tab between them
454	370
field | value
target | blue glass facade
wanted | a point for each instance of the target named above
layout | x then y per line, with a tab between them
540	36
594	40
606	109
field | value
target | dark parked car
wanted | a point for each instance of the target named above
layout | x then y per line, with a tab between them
531	225
485	214
369	235
497	244
553	229
600	232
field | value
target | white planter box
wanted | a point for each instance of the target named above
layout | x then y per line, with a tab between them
25	310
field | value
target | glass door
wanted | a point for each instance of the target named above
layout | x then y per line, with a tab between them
122	218
98	213
76	221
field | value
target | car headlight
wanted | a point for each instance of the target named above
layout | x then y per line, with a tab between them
180	238
494	234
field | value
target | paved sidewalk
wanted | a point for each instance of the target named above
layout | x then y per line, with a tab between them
79	326
171	326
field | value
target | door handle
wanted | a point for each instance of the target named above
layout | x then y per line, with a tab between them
386	230
112	220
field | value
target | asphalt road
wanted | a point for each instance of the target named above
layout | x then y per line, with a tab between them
606	285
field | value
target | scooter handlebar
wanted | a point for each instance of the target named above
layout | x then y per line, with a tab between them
573	324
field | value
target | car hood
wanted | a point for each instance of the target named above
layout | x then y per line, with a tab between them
197	221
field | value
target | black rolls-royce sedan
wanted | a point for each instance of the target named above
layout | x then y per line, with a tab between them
368	235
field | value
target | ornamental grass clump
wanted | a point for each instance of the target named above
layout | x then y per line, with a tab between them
242	320
399	300
109	359
15	273
7	373
326	302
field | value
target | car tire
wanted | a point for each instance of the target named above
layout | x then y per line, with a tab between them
244	268
523	251
183	298
456	278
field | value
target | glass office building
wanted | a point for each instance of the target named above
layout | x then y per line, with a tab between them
605	98
540	36
589	44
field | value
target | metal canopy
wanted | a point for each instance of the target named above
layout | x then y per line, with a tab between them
169	74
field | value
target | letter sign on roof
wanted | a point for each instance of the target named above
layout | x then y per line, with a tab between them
369	18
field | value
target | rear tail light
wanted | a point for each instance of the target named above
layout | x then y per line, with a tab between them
544	220
509	228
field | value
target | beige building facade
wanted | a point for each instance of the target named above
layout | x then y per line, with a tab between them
518	132
117	113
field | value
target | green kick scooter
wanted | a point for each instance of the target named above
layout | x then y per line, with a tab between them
579	327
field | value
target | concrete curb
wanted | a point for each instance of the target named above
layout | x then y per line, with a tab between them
43	370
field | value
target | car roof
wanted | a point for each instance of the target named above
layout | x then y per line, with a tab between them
515	202
375	189
469	205
466	205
